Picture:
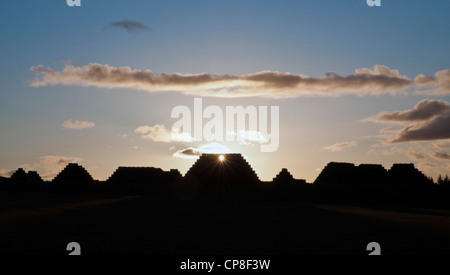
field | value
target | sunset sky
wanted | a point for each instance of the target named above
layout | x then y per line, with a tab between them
96	84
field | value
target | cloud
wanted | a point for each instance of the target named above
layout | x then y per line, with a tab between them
442	145
429	120
52	165
340	146
429	165
387	130
6	173
423	111
48	166
440	156
249	137
48	161
214	148
439	84
129	26
416	155
194	153
253	137
268	84
189	153
78	125
159	133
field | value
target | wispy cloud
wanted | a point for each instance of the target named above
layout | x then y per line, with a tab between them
416	155
50	166
78	125
340	146
129	26
253	137
440	155
6	173
376	81
159	133
387	130
194	153
429	120
429	165
442	145
249	137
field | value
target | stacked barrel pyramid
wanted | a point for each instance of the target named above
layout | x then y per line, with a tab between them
222	170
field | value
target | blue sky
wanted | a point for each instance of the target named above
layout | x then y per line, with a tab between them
215	37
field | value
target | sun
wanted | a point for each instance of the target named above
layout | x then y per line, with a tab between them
222	158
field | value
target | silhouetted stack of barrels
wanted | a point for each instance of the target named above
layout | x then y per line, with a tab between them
284	177
23	180
73	177
143	179
342	174
408	175
222	171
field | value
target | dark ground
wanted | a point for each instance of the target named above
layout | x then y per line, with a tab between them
44	223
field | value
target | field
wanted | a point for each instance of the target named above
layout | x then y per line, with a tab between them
44	223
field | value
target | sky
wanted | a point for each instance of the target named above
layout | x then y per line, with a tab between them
97	84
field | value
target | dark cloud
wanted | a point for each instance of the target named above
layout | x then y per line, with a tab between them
423	111
416	155
436	129
440	156
190	152
380	80
194	153
129	26
429	120
429	165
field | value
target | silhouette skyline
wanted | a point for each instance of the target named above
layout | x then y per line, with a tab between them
216	171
